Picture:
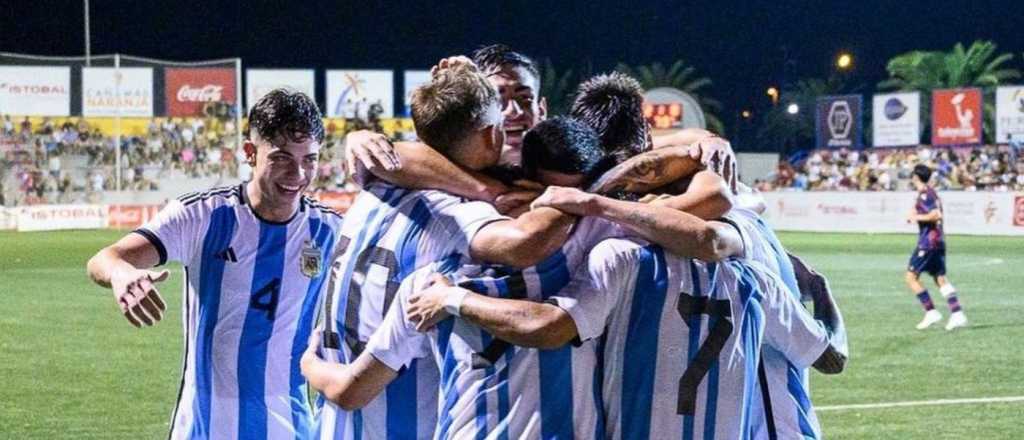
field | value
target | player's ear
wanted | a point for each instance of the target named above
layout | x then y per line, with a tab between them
542	109
250	152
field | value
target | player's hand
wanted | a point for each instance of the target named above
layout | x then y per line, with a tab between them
311	356
426	307
369	152
452	62
515	200
137	296
716	155
655	199
565	199
912	217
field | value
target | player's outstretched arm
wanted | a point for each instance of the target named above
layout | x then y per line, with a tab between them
414	165
520	322
679	232
523	241
826	310
350	386
123	267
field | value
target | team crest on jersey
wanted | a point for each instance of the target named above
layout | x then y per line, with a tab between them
311	260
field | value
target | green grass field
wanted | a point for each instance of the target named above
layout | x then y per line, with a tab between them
74	368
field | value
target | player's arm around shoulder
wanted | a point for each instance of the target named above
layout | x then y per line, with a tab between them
523	241
679	232
413	165
521	322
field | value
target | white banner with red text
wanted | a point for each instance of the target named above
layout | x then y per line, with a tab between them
84	216
971	213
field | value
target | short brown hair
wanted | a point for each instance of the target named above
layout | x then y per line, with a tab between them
451	106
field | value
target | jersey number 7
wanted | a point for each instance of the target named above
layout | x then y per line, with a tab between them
690	308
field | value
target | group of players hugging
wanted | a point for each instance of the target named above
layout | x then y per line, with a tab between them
511	276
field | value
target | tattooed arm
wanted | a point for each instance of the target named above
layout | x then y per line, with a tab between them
678	232
647	171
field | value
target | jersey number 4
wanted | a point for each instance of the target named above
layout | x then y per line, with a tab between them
691	308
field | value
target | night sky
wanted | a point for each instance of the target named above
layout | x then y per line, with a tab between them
741	46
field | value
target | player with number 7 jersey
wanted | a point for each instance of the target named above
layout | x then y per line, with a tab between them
684	337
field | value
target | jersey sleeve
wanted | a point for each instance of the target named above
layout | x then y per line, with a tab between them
175	231
595	289
396	342
789	327
744	224
463	218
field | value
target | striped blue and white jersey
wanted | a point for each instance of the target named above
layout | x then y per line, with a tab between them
683	340
783	408
250	297
490	388
388	233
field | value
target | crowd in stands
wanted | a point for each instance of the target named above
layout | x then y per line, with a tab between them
983	168
67	160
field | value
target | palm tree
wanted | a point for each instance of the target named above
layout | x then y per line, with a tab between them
556	88
975	66
682	77
788	132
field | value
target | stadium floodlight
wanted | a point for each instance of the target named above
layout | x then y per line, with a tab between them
844	61
792	108
773	93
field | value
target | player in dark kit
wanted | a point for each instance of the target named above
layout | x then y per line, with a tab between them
930	254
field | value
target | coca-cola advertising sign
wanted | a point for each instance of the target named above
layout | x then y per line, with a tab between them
956	117
189	89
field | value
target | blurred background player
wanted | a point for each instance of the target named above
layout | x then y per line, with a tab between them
930	254
255	264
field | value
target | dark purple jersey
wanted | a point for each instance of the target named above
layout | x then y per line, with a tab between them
930	234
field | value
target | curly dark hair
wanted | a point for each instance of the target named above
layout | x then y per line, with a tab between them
612	104
565	145
289	113
492	58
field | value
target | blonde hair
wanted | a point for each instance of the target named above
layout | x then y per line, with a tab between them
451	106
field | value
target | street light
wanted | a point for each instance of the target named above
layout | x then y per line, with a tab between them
746	114
792	108
844	61
774	94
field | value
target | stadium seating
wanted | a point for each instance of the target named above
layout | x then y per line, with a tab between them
984	168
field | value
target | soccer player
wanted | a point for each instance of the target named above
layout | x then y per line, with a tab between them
684	339
782	402
518	82
390	231
612	103
930	253
255	258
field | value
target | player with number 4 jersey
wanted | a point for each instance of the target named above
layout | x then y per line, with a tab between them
255	258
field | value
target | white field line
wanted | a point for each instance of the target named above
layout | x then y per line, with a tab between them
1008	399
987	262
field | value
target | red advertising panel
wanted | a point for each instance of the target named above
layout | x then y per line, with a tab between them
1018	211
956	117
189	89
130	216
336	200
